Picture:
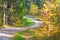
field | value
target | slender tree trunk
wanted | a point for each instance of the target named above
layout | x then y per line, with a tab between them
4	19
4	9
4	15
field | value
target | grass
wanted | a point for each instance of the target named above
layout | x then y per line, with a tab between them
26	23
27	32
19	36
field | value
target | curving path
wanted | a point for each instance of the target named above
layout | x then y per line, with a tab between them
7	33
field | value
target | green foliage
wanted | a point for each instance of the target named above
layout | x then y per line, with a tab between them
1	23
18	37
21	5
26	22
20	10
31	33
16	16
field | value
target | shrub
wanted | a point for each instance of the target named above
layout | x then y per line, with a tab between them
18	37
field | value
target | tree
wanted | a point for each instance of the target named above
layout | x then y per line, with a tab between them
33	9
6	5
48	15
20	10
40	3
4	10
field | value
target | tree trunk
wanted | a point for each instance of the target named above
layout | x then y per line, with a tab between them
4	19
4	7
4	14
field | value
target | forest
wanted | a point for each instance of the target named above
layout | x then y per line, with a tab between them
31	19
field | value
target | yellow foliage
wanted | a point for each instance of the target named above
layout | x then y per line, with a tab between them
33	9
45	15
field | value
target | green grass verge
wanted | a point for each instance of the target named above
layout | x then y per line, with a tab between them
26	23
19	35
